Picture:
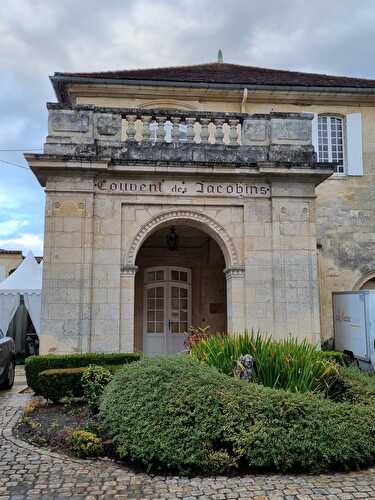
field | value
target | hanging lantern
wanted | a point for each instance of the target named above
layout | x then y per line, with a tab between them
172	240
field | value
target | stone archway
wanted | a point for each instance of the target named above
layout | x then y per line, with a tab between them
189	217
367	282
234	271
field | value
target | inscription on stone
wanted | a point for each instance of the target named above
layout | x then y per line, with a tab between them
183	188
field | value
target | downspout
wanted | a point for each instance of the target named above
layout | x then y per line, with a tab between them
244	99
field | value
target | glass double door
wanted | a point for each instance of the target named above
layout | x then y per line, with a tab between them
167	309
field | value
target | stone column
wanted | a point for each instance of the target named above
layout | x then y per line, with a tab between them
126	339
235	276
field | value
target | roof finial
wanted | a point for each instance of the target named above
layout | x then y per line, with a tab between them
220	58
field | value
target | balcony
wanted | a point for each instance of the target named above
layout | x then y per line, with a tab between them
133	136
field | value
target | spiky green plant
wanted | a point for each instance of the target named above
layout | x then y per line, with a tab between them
286	364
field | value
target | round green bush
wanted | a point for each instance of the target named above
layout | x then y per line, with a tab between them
176	414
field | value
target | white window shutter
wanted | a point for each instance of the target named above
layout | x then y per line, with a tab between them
314	134
354	144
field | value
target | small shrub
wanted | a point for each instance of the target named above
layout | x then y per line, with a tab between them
94	427
85	444
341	358
355	386
31	406
94	379
177	414
36	364
286	364
58	384
65	383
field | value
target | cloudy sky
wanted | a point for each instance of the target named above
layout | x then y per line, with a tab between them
39	37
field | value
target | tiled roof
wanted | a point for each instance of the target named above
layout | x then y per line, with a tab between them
224	73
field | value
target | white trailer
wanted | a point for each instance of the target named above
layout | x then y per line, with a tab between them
354	325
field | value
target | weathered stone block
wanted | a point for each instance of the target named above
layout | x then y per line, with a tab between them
285	130
256	130
69	121
108	125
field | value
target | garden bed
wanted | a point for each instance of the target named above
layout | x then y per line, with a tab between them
48	425
177	414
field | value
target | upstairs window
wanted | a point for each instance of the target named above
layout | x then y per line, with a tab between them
331	141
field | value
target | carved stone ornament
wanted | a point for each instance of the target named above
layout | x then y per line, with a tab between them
129	271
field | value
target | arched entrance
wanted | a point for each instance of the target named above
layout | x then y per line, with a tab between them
180	282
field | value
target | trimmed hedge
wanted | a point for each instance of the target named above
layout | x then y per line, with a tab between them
60	383
174	413
36	364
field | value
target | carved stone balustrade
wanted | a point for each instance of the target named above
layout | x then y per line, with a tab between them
180	136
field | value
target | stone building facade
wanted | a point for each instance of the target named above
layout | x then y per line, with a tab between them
193	196
9	261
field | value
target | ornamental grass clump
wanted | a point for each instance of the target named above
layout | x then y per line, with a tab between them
286	364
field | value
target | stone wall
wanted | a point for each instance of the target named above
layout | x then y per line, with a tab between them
9	260
92	241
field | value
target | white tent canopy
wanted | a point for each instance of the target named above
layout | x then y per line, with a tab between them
26	280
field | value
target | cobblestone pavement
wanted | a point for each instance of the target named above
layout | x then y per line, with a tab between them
28	472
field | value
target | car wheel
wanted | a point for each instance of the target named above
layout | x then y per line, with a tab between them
9	379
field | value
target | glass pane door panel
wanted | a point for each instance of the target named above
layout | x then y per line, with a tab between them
155	309
179	309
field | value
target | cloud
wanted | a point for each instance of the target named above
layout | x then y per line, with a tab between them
40	37
24	242
10	226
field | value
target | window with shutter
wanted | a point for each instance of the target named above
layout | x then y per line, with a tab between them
331	141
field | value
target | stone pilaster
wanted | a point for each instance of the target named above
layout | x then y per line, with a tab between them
235	276
294	257
67	269
126	340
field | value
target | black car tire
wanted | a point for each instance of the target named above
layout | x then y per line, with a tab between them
9	379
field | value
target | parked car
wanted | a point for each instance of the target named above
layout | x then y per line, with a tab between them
7	361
